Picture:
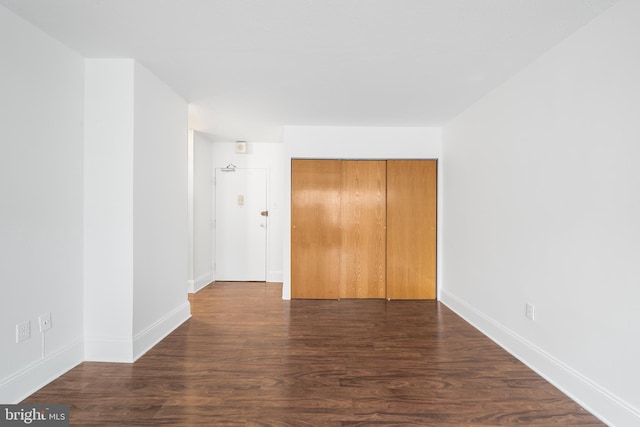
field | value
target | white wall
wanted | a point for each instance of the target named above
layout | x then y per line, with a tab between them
268	156
202	212
108	205
40	206
110	213
135	267
542	206
160	236
353	143
190	287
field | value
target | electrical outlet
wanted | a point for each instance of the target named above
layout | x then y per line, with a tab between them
530	312
23	331
45	322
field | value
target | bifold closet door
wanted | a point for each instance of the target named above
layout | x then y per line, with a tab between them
411	229
315	228
340	247
363	219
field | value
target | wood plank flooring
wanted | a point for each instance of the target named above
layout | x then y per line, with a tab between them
248	358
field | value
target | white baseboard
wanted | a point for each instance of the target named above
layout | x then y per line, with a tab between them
286	291
153	334
35	376
27	381
202	281
108	349
274	276
190	286
596	399
127	350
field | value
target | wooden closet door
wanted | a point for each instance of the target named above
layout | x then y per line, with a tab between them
363	221
411	229
315	228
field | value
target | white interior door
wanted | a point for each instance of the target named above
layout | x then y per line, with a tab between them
241	224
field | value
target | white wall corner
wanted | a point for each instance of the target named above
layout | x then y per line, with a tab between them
191	286
190	206
107	349
596	399
286	293
152	335
27	381
202	281
274	276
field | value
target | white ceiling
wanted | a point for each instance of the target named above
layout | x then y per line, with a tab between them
247	67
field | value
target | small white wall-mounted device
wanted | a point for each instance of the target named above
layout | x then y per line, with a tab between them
241	147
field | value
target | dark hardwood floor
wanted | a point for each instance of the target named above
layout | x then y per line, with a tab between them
248	358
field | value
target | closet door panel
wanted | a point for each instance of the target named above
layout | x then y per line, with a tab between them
315	228
363	218
411	229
